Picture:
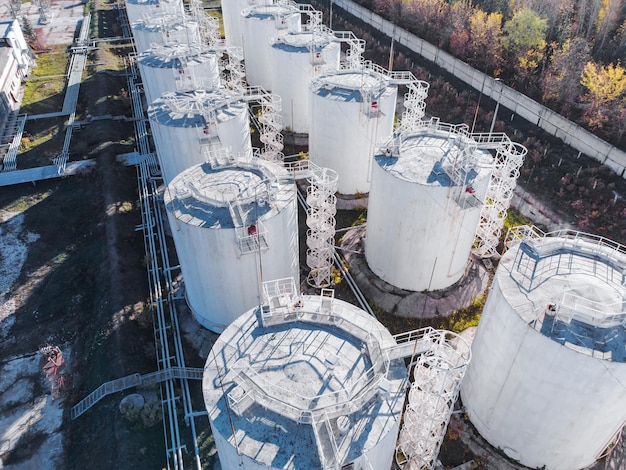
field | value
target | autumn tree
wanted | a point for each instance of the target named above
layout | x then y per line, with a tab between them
524	41
391	9
485	50
561	80
558	14
607	21
616	49
606	98
428	18
585	15
458	28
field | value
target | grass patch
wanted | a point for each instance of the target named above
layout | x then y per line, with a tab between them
514	219
52	63
26	201
99	133
43	90
460	320
206	446
217	14
42	141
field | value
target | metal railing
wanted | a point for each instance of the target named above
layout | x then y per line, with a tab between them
134	380
563	245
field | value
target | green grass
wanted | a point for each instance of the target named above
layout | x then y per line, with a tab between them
514	219
42	141
218	15
26	201
43	91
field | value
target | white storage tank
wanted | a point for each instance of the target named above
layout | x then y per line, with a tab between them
140	9
259	24
301	383
547	380
231	17
351	111
428	189
174	67
185	122
296	58
165	29
234	222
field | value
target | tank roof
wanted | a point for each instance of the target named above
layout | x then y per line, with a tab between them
170	55
163	22
143	2
236	194
271	11
571	288
351	85
427	156
303	41
190	108
297	374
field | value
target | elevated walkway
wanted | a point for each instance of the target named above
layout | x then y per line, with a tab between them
134	380
31	175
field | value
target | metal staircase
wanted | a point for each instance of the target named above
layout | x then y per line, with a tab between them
135	380
11	142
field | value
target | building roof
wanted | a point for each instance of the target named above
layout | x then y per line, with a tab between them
6	26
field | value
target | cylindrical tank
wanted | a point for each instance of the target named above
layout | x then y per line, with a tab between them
177	67
141	9
165	29
233	223
547	380
185	122
231	17
424	207
314	393
304	55
259	25
350	112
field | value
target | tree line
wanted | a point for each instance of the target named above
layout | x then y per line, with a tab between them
566	54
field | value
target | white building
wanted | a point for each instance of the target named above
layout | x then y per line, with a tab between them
16	62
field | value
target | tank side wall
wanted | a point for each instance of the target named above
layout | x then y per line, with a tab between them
156	81
220	284
256	34
343	136
235	132
293	87
178	148
281	260
381	455
539	401
411	235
